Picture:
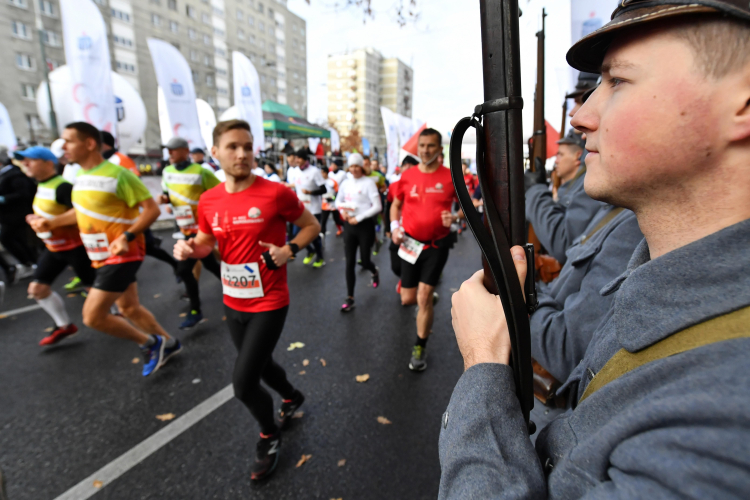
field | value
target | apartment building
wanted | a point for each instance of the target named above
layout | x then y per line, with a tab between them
359	83
205	32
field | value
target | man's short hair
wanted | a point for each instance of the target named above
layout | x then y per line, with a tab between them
301	153
223	127
365	157
108	139
432	131
86	131
410	160
721	45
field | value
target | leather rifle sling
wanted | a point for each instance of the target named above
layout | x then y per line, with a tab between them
605	220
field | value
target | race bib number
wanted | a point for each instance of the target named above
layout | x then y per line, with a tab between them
44	236
96	245
241	281
410	249
183	215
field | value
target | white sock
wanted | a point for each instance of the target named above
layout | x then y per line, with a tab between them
55	307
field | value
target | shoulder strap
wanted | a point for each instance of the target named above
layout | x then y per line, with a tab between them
727	327
605	220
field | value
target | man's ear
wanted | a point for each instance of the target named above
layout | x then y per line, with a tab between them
214	150
741	120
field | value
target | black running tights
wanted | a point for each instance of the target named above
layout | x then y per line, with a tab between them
185	271
316	246
324	219
360	235
255	335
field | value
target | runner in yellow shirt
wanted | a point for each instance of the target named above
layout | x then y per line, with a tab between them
107	200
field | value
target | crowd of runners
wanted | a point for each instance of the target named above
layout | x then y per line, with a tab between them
242	223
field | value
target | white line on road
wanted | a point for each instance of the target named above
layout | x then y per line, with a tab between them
119	466
20	310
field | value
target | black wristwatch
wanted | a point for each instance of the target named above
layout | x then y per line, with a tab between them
129	236
294	248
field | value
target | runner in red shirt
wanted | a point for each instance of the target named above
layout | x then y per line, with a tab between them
247	216
420	224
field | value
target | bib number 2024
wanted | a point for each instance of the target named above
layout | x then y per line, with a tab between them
241	281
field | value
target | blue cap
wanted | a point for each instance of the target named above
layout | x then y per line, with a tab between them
36	153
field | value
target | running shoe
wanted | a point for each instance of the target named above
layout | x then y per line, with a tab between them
153	355
12	275
375	281
319	263
378	244
435	298
308	259
171	351
114	310
418	362
193	319
266	456
288	407
72	284
348	305
58	334
23	272
339	232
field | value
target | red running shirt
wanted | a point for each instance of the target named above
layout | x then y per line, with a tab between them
239	221
425	197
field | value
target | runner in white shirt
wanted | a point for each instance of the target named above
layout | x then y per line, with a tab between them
358	201
336	172
270	173
310	187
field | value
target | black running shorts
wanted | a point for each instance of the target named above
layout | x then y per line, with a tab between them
116	277
52	264
427	269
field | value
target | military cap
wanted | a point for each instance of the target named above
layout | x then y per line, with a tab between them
586	81
588	53
573	138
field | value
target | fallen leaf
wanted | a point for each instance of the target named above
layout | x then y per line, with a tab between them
157	295
298	414
363	378
305	362
304	459
135	361
295	345
169	416
48	329
183	315
3	316
98	484
322	361
384	421
454	289
224	318
196	381
332	260
302	372
71	295
342	462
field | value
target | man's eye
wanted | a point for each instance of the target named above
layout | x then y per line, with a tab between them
614	82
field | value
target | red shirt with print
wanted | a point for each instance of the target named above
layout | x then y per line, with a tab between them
425	197
239	221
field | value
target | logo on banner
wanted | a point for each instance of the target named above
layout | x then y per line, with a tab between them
246	92
176	88
84	42
120	109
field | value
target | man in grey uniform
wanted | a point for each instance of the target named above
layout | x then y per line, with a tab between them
661	411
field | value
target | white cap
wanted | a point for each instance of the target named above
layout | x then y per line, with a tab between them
57	147
355	159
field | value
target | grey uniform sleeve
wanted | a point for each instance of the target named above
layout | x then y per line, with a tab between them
561	332
485	450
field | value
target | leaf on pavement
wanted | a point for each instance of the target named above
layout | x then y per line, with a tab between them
342	462
98	484
166	417
182	315
224	318
71	295
135	361
48	329
305	362
302	372
295	345
384	421
454	289
304	459
363	378
322	361
298	414
157	295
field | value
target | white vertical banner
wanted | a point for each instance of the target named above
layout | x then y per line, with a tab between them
335	139
87	56
247	97
390	124
7	135
176	83
313	142
207	118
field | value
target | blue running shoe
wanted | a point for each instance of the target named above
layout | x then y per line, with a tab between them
194	318
171	351
153	356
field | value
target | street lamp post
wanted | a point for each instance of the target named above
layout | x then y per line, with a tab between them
40	32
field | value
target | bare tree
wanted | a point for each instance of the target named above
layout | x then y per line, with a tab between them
405	11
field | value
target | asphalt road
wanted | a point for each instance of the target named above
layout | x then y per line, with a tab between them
69	410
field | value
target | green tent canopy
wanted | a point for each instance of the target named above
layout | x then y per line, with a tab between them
280	120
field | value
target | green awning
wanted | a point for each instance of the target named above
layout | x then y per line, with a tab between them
280	120
276	107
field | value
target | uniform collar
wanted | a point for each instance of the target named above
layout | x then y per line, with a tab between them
682	288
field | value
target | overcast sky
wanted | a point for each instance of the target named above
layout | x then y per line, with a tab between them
443	47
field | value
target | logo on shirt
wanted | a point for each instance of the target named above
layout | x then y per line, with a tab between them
215	222
253	213
437	189
413	192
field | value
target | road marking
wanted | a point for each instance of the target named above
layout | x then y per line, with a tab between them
119	466
20	310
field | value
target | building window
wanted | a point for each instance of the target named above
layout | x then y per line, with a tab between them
20	30
24	61
221	72
190	11
122	41
206	59
218	12
192	34
21	4
222	91
52	64
173	27
196	76
156	19
205	18
261	26
260	7
211	100
210	80
126	67
206	39
122	16
262	44
240	33
219	32
263	79
240	15
273	81
220	52
47	8
28	91
155	2
296	90
270	12
194	56
251	39
172	5
250	20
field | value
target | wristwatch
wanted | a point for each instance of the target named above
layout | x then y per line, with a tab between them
294	248
129	236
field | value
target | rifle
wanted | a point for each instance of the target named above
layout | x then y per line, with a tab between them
500	172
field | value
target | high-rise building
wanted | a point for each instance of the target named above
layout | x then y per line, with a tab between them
205	32
359	83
